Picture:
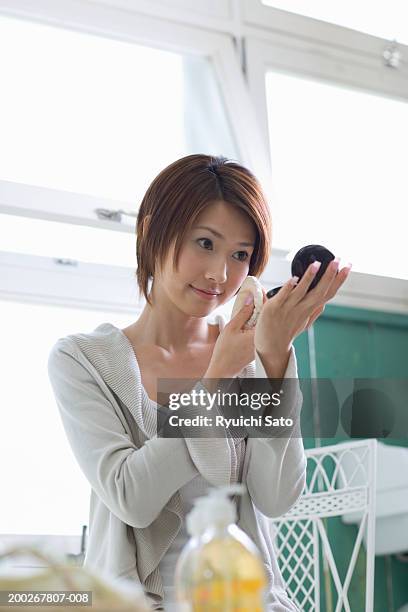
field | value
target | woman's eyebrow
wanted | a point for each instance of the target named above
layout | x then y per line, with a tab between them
218	235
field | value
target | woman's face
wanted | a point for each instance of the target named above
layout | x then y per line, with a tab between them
214	263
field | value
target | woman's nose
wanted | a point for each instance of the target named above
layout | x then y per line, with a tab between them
218	273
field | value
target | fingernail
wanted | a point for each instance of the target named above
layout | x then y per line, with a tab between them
315	266
249	299
348	265
294	280
335	263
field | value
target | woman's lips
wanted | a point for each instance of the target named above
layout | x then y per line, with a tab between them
203	294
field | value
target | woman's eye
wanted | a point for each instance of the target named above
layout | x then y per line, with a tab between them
207	240
245	255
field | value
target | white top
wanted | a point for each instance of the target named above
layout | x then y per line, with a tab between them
135	479
197	487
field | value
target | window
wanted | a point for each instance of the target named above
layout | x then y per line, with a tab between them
67	241
98	101
383	18
100	116
95	101
44	490
338	162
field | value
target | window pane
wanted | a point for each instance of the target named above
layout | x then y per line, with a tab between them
338	161
94	115
383	18
65	240
43	488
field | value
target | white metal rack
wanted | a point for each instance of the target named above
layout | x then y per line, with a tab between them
341	479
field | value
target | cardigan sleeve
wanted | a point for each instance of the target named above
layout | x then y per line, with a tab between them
211	453
277	466
134	483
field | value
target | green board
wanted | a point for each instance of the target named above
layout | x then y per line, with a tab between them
355	343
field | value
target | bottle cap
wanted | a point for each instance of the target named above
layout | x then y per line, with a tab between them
213	509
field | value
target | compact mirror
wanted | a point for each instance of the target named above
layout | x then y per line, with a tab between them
302	260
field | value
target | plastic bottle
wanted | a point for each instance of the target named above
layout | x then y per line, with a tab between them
220	568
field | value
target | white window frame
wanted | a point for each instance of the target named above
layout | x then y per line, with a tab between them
270	19
214	15
295	44
37	202
138	28
272	38
292	54
67	282
36	279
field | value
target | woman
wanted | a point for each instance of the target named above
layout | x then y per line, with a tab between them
202	227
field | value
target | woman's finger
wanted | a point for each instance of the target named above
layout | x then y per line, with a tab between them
243	314
338	281
324	290
305	282
316	297
285	291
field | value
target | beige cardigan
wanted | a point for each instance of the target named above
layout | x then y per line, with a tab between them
135	507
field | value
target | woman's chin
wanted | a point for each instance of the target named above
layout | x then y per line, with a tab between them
200	310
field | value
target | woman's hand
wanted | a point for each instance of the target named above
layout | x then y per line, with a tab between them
293	310
234	348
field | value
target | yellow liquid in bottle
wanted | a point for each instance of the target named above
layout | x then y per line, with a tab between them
228	578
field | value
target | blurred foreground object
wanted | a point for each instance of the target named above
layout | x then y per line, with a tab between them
119	595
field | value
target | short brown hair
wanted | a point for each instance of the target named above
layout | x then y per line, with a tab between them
176	197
